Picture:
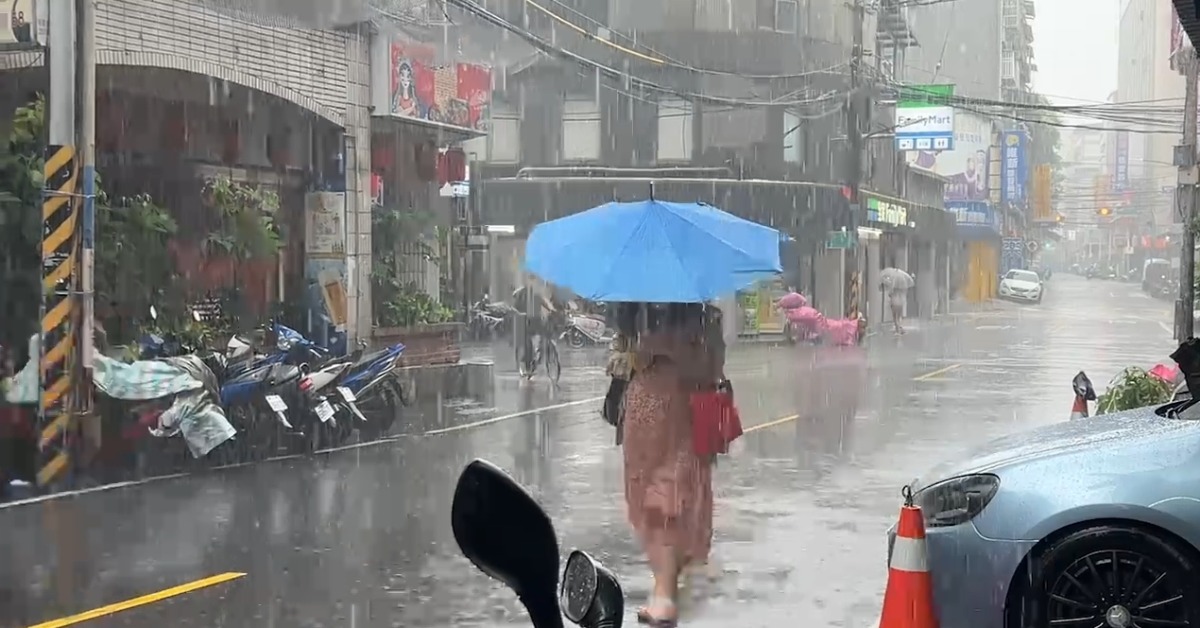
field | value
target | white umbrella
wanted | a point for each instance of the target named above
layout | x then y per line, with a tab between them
895	279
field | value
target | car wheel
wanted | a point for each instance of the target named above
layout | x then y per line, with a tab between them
1107	576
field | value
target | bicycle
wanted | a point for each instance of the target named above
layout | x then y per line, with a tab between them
546	350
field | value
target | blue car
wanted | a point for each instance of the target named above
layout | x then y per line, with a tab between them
1088	523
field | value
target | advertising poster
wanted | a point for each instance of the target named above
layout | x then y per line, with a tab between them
455	94
1014	161
770	318
17	22
748	300
974	217
325	232
967	165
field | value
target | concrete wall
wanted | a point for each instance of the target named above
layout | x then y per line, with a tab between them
358	182
308	67
960	44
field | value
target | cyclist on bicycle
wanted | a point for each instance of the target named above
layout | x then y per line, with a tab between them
537	310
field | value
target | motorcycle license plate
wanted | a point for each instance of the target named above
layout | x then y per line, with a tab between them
276	403
347	394
324	411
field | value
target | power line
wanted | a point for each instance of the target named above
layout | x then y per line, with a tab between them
473	8
658	58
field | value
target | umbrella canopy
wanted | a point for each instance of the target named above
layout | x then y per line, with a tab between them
653	251
895	279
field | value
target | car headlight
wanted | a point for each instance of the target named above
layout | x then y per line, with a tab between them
957	500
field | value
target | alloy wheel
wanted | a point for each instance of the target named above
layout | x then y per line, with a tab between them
1117	589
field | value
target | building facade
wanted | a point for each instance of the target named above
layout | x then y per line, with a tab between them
739	104
1145	72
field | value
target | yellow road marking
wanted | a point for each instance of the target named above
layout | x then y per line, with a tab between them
151	598
933	374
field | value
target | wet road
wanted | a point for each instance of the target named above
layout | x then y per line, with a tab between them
361	537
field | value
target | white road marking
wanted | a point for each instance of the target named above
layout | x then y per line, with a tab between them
374	443
1166	328
514	415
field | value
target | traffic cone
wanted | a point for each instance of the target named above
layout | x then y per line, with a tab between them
908	600
1079	409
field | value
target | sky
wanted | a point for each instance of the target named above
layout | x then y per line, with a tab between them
1075	48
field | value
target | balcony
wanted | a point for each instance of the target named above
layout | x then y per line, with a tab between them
1030	11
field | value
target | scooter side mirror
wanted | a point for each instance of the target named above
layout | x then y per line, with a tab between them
501	529
591	596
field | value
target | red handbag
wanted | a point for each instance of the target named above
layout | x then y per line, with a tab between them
715	422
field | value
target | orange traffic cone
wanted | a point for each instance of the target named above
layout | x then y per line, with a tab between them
908	600
1079	409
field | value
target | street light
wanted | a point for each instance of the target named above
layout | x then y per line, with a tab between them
1104	211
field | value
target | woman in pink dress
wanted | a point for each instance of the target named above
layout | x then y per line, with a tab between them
668	488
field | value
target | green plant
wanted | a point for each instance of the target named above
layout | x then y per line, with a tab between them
134	269
1133	388
398	237
245	221
410	307
21	177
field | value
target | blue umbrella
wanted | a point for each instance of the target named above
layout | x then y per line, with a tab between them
653	251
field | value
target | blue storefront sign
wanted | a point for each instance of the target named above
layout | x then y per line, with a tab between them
1012	254
1014	170
1120	181
974	218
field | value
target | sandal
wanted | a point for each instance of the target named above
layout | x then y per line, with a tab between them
644	616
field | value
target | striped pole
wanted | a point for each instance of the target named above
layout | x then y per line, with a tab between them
855	290
59	226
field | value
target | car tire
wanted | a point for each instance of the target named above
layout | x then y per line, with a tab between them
1058	575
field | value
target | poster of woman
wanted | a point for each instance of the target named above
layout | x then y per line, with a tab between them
404	90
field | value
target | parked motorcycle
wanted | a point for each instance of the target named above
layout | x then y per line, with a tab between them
489	319
367	390
582	330
501	529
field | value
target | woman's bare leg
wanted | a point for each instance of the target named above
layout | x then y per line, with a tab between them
665	564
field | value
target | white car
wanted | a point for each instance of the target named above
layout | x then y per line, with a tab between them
1022	285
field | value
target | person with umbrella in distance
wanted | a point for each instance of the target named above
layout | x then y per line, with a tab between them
895	283
661	263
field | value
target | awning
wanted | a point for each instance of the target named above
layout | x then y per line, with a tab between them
442	133
1189	17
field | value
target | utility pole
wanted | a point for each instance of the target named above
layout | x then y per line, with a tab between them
85	93
854	179
59	308
1185	200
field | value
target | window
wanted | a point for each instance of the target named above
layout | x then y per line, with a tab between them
786	14
581	130
502	145
766	14
674	130
793	138
778	15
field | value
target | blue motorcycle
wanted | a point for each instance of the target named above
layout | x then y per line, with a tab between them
254	394
358	389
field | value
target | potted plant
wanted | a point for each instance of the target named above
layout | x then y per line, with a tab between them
1133	388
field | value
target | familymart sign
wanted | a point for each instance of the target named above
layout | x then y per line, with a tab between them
924	118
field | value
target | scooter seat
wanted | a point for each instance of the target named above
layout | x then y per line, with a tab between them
283	373
256	375
374	355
